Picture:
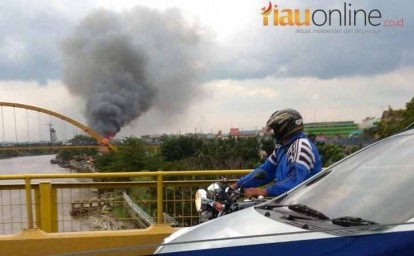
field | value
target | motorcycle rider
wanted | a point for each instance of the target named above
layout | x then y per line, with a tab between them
294	159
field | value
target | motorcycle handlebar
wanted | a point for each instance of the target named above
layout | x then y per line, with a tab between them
238	191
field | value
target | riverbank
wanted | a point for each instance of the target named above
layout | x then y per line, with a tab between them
82	166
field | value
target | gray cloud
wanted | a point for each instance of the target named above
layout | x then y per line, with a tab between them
280	52
28	48
123	64
167	55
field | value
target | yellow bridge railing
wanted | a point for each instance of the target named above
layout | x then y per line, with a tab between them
102	201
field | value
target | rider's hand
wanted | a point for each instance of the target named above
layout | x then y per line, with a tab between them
254	192
233	186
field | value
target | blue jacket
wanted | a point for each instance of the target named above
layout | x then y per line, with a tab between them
288	165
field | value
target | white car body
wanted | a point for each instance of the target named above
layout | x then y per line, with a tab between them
368	199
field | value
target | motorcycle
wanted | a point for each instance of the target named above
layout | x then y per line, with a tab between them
220	199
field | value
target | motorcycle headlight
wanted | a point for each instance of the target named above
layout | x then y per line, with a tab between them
199	196
214	189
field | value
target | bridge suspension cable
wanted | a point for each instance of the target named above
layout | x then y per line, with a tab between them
18	125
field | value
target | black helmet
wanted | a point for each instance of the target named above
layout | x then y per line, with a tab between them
285	122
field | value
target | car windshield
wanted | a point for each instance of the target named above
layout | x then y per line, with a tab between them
376	184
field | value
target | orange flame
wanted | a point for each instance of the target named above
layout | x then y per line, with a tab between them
105	141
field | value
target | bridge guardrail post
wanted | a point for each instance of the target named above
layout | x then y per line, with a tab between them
159	197
29	209
47	202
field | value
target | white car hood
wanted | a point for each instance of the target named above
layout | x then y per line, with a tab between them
240	228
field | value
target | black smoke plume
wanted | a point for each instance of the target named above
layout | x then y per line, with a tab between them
123	64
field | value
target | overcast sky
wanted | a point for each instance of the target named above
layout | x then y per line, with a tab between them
147	67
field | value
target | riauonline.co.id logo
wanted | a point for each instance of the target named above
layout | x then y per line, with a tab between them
344	16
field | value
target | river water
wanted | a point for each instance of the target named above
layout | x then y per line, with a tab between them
13	216
29	164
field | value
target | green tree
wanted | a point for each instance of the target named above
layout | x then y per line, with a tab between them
391	123
370	133
408	113
132	155
330	153
82	140
267	144
178	148
107	162
231	153
69	154
394	121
